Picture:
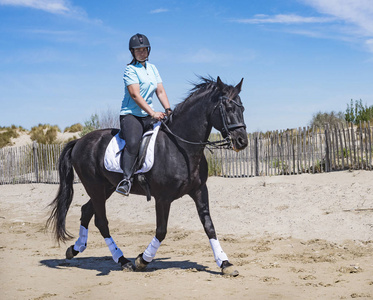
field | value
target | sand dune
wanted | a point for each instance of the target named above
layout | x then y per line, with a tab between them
24	138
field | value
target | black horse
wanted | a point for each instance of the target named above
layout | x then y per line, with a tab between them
180	168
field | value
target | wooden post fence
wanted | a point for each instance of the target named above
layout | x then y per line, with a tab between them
311	150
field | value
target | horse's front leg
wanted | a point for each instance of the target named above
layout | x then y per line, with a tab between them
162	210
201	199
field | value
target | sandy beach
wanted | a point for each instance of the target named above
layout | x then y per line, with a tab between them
290	237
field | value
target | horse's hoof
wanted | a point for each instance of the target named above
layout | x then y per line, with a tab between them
140	263
126	265
70	252
227	269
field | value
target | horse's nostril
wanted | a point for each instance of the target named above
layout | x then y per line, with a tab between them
241	142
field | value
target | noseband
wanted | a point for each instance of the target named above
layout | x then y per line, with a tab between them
227	128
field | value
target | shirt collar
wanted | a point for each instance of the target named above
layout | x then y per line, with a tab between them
138	64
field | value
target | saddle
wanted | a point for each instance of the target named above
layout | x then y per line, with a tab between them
145	141
145	157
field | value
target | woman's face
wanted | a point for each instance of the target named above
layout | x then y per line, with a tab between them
141	54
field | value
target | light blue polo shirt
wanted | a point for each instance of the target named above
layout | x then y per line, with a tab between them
147	78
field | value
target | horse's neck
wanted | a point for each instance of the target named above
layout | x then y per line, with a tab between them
192	123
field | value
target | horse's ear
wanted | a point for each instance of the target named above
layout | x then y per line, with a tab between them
238	86
220	83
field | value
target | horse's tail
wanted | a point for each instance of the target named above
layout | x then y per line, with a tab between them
60	205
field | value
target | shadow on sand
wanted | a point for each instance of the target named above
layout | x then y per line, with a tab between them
104	265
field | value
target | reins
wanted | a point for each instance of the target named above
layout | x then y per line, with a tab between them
224	143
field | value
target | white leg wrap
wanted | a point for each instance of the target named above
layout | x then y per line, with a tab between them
81	243
115	251
150	252
219	254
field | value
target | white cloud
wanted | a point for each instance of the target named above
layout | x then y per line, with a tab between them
57	35
59	7
38	56
159	10
357	12
350	20
202	56
205	55
283	19
369	44
52	6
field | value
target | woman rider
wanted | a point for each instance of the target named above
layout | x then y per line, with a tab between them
141	80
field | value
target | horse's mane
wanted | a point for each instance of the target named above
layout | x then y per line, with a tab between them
205	86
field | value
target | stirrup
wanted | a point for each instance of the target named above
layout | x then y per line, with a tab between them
120	189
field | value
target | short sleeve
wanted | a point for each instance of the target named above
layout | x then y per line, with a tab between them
130	76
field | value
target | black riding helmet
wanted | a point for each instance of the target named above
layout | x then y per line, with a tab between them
139	41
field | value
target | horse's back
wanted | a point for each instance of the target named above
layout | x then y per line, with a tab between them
89	150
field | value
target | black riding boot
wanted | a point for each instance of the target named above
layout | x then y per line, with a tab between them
128	166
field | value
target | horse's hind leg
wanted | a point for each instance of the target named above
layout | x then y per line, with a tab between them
99	196
201	200
80	245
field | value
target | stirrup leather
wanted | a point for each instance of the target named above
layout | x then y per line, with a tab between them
121	190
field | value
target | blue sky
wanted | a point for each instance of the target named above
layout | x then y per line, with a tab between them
62	61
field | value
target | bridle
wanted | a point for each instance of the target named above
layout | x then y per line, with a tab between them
226	142
227	128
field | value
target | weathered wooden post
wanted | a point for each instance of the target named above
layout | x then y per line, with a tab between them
256	149
356	163
345	144
327	150
36	163
370	147
361	146
342	152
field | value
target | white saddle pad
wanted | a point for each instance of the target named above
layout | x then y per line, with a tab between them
116	145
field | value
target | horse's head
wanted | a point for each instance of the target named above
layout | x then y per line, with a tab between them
227	115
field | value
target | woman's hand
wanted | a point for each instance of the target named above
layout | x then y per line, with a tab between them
168	111
158	115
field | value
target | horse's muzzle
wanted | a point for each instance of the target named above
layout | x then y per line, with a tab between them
239	139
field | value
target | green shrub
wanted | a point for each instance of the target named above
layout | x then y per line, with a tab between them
358	112
7	133
333	118
44	133
90	125
214	166
281	166
74	128
346	152
74	137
